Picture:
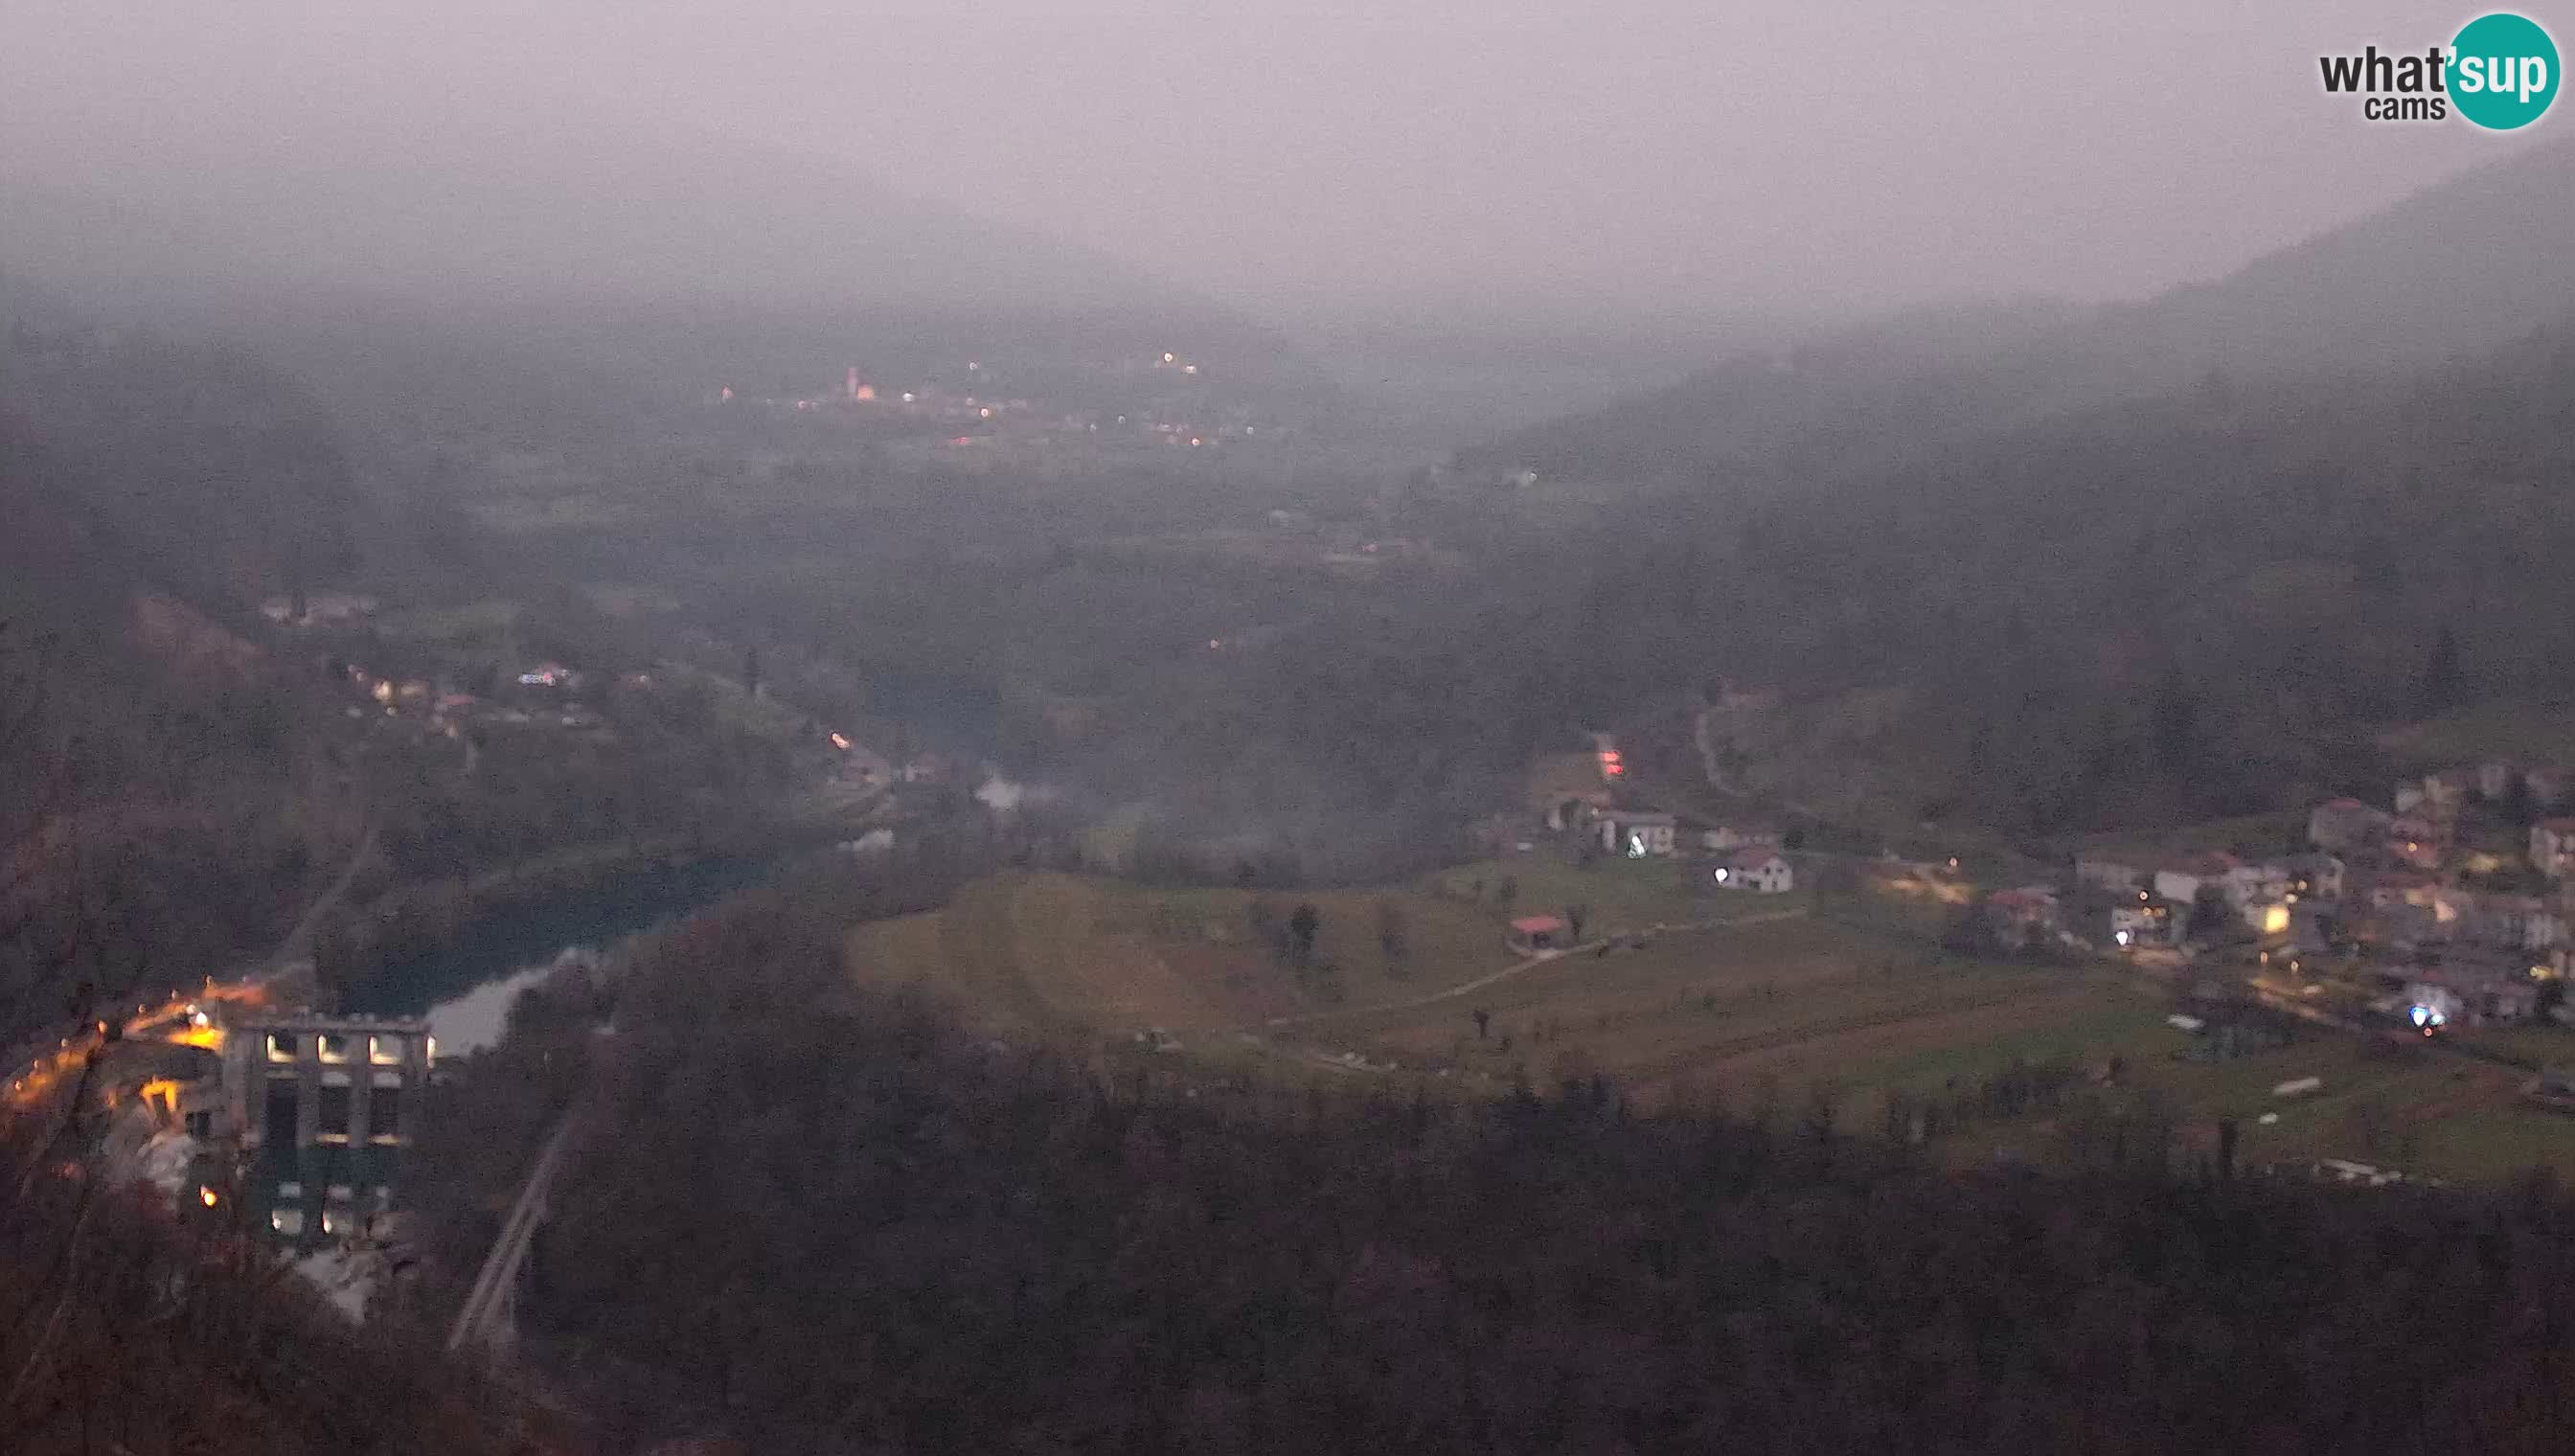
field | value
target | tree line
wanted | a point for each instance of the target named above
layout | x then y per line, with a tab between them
830	1219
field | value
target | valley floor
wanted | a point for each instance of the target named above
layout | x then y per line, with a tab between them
1846	1010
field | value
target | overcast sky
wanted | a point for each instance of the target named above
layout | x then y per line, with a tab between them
1296	155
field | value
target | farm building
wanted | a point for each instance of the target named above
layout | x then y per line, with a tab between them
1757	872
1540	932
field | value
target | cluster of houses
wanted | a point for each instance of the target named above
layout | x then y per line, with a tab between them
2442	894
1741	857
543	701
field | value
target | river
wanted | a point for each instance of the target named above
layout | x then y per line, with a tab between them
465	988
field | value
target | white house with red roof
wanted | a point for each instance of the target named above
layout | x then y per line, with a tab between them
2344	825
2023	915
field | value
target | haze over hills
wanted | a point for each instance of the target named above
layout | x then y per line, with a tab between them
477	213
782	722
558	280
2453	270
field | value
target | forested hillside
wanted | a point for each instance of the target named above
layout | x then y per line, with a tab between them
2157	561
2183	604
157	766
834	1222
125	1328
177	467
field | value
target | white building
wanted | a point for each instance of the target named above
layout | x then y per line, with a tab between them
1726	839
2248	885
1757	871
2182	881
2346	826
1637	834
2146	923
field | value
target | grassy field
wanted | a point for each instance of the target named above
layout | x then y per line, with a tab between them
2495	1143
2526	733
1060	953
1616	893
2540	1045
1764	1009
2262	835
1769	1003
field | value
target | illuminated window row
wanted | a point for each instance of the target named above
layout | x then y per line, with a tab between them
383	1049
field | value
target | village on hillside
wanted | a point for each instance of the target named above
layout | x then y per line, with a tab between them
2447	908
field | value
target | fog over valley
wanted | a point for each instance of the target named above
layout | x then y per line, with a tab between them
875	727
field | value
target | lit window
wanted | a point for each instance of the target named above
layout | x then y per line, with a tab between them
385	1051
335	1046
280	1046
288	1221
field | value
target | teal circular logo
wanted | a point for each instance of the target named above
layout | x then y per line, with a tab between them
2504	71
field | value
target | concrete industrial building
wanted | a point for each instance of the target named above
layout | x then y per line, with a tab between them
322	1106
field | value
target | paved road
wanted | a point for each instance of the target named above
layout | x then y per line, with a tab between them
483	1320
2441	1046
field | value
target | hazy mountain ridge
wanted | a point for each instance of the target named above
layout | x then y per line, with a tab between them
2457	269
475	214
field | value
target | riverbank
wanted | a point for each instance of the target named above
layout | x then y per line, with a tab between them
420	945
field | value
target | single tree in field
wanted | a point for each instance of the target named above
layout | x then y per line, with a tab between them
1484	1022
1304	925
1392	934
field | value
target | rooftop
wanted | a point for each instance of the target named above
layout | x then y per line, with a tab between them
317	1022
